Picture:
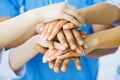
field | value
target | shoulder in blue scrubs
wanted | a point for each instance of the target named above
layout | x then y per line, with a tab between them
36	70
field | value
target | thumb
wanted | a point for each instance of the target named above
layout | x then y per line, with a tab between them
40	48
70	26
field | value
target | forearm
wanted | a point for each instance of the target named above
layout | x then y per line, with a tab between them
99	27
101	52
102	13
20	55
105	39
22	39
16	27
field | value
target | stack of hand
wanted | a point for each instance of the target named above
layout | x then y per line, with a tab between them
63	42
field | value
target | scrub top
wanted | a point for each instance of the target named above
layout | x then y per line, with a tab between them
35	69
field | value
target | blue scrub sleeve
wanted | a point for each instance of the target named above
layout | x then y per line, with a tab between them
7	8
87	29
98	1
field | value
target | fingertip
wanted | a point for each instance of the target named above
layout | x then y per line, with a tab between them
59	57
63	69
56	69
79	67
85	46
50	37
73	47
51	66
62	48
65	45
81	42
66	26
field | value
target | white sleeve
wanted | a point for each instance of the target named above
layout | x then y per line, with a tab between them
114	2
5	69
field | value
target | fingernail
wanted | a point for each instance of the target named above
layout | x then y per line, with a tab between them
62	48
50	38
65	26
44	57
51	47
81	42
56	70
49	59
45	38
39	27
44	61
85	46
65	45
79	51
79	67
73	46
83	36
42	35
63	69
59	57
51	66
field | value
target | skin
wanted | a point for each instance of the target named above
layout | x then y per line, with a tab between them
91	14
26	21
31	48
108	22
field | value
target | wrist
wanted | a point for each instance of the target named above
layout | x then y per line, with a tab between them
92	42
83	14
37	14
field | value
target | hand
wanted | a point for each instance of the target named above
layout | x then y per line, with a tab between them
59	11
50	30
58	64
55	64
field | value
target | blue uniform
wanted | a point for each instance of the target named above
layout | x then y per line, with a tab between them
36	70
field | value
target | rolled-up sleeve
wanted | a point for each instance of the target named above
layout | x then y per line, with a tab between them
7	8
114	2
5	69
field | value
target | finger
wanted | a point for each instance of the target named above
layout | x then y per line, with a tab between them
84	34
40	48
70	38
44	36
58	63
39	28
80	50
57	28
42	29
48	54
69	55
59	46
69	26
51	44
50	29
62	39
53	57
51	64
74	12
65	64
70	18
77	63
78	36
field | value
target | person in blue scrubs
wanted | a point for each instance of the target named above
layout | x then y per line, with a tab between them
36	70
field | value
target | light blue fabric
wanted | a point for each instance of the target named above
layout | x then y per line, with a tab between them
36	70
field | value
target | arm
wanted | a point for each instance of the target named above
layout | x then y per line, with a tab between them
102	13
101	52
23	53
103	39
31	18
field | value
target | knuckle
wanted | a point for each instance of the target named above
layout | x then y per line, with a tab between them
65	64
